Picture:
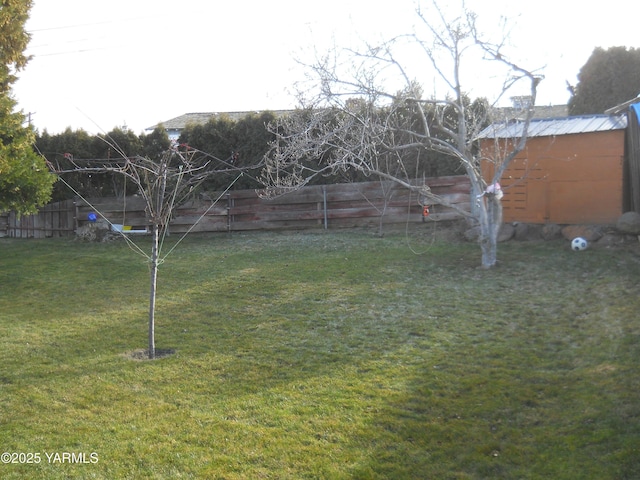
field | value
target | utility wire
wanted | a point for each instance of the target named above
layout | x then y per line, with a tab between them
72	52
92	24
130	242
201	217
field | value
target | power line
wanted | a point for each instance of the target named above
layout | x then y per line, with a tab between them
71	52
58	44
92	24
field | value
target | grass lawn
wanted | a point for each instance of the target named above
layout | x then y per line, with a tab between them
321	355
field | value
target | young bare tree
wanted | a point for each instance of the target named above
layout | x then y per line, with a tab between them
164	184
354	120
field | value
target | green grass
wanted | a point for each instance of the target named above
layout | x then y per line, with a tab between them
322	355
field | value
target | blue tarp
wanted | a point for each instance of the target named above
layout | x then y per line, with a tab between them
636	108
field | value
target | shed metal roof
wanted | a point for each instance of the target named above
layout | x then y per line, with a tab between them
548	127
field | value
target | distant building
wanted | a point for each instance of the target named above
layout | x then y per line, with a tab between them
519	107
176	125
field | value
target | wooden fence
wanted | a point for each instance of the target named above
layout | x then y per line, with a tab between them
53	220
324	206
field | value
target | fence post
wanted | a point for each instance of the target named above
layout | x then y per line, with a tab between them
324	201
75	215
4	228
229	220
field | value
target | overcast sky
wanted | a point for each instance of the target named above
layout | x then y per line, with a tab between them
98	65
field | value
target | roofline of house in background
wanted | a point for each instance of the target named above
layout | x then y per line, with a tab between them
200	118
539	111
547	120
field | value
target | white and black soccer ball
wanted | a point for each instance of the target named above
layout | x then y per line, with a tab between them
578	244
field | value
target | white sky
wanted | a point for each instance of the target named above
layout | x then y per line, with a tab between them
98	65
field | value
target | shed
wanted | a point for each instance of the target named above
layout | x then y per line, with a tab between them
570	172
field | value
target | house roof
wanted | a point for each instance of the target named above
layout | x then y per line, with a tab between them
200	118
539	111
547	127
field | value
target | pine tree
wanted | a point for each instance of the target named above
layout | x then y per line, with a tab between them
25	180
609	78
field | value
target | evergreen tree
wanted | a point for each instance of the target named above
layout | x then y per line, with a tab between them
232	145
61	150
72	147
609	78
25	180
155	144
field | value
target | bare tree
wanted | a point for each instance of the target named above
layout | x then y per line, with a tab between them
164	184
354	121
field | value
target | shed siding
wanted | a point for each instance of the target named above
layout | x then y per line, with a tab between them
566	179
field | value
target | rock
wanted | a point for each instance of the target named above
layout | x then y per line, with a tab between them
472	234
551	231
95	232
591	233
610	240
507	231
527	231
629	222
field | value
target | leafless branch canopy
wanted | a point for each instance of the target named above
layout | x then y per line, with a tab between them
353	120
164	183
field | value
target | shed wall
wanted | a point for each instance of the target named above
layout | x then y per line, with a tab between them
565	179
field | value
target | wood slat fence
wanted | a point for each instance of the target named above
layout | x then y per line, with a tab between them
53	220
323	206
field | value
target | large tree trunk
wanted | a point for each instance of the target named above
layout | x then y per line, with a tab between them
490	216
152	293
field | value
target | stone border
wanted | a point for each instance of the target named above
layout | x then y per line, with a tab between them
626	231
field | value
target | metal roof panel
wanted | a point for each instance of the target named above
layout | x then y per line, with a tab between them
547	127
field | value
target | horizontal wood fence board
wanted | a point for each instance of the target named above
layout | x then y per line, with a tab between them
291	198
195	213
192	220
206	225
334	206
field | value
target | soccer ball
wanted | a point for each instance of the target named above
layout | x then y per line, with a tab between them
579	244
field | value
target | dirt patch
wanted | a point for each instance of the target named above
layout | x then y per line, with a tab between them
143	354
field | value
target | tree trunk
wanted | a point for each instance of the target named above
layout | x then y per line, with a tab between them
152	293
490	223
